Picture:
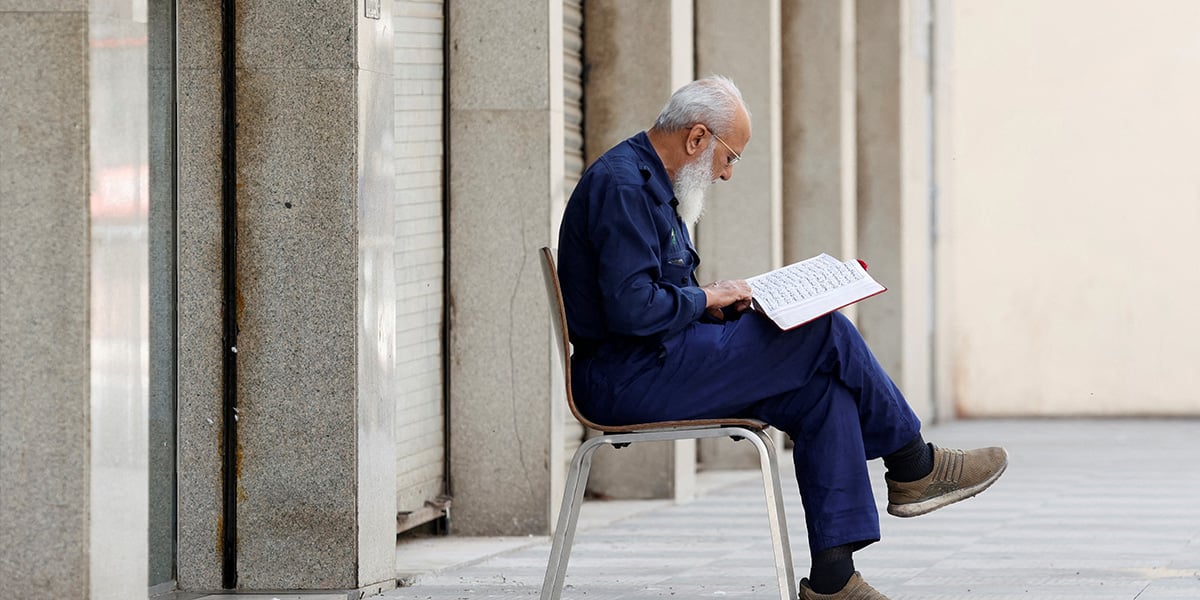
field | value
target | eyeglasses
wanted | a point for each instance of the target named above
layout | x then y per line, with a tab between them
736	157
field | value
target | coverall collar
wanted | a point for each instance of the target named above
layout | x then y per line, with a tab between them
653	172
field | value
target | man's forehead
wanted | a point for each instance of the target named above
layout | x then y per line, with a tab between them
741	127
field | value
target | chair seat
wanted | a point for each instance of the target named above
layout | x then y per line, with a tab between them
754	424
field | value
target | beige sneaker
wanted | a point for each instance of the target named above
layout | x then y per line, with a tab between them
856	589
957	475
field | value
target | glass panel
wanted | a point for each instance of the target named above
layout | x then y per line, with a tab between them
119	299
132	61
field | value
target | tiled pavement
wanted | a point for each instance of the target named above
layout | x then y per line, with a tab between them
1095	509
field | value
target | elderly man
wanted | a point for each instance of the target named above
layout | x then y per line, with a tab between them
651	344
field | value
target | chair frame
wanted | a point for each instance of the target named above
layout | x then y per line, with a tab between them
623	435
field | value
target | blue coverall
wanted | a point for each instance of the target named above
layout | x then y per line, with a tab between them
646	350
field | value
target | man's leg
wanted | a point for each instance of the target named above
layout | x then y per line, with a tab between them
720	370
839	507
888	422
920	478
831	471
820	383
846	411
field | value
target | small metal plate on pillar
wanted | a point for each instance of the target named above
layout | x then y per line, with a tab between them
373	9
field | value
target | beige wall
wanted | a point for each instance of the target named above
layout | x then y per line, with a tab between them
1070	206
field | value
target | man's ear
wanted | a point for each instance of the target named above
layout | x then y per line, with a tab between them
695	136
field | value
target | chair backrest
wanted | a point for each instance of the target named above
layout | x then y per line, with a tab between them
558	315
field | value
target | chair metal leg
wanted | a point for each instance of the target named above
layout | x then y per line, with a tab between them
775	515
564	535
568	516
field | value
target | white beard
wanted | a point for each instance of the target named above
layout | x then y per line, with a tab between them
691	184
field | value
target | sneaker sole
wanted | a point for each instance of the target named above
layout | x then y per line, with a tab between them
917	509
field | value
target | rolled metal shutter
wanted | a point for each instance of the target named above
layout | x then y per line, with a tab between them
573	126
420	249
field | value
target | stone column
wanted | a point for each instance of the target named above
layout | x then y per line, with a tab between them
636	55
316	473
506	187
818	124
44	376
945	343
893	188
741	233
198	304
162	263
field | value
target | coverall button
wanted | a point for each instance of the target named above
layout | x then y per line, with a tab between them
684	280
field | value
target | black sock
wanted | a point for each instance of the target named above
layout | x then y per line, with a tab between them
831	569
911	462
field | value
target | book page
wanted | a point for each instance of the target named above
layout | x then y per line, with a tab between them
800	292
802	281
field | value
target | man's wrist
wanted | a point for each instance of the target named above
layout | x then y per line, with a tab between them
700	299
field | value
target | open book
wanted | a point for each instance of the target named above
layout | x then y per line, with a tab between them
800	292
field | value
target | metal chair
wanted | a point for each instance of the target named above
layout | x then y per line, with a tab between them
623	435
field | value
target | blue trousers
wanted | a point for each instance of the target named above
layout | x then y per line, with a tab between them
819	383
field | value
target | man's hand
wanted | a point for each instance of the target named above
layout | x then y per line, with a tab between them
726	292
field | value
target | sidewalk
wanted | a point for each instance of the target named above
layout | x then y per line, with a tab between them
1095	509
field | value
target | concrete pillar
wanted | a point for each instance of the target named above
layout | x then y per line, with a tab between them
946	350
818	123
636	55
316	311
44	376
893	189
741	233
506	189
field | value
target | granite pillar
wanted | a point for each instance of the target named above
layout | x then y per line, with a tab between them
636	54
316	311
741	233
506	193
44	322
894	214
161	250
198	307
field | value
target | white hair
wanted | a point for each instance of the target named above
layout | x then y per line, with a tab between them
712	101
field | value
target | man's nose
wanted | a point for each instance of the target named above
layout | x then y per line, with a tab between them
727	174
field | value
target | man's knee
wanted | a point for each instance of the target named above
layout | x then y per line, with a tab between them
844	333
840	323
